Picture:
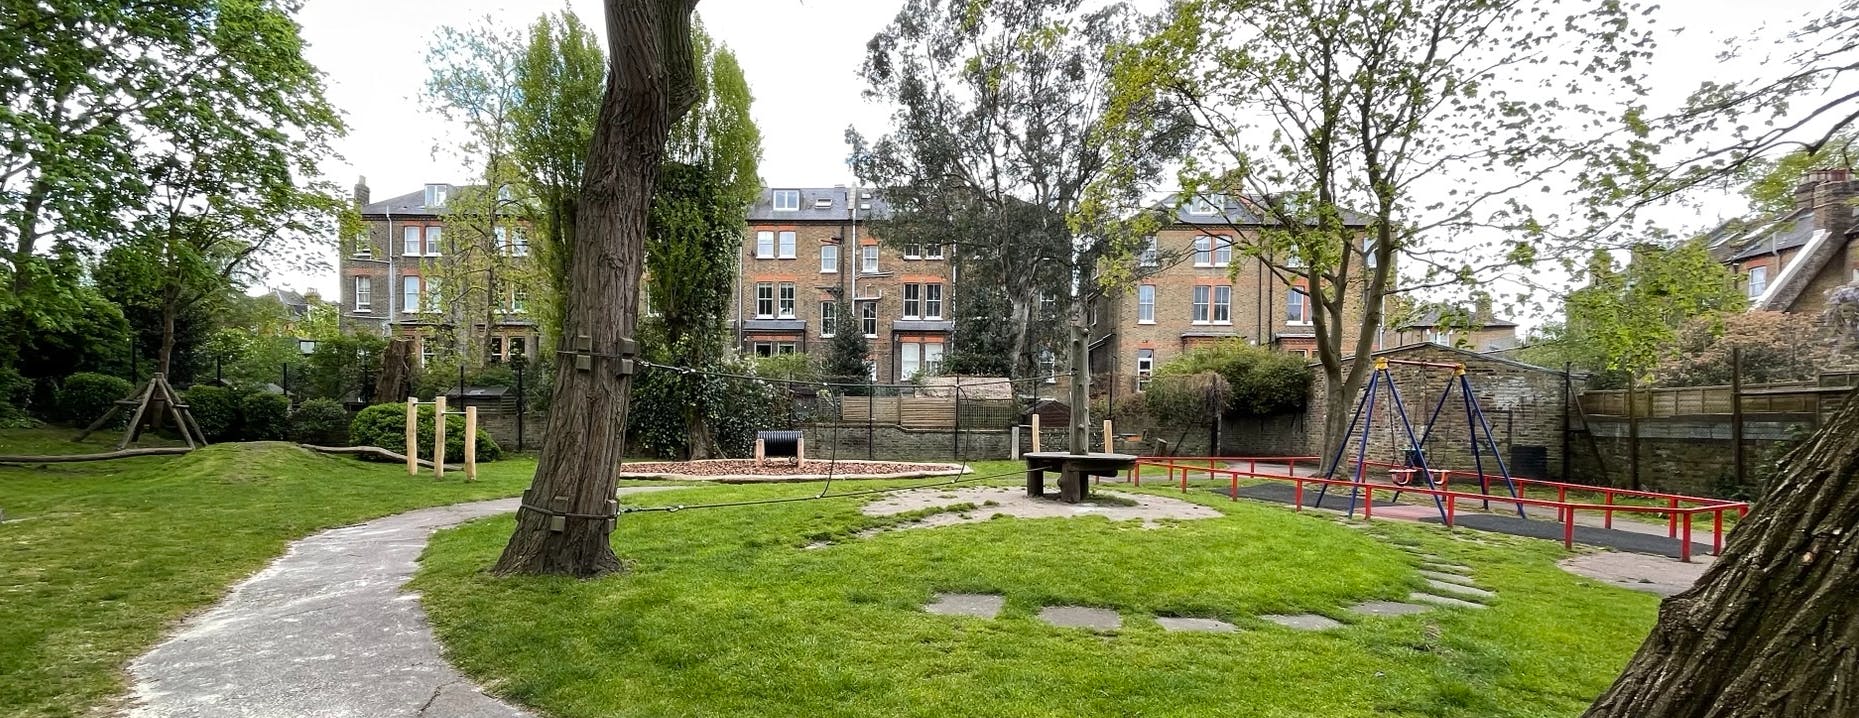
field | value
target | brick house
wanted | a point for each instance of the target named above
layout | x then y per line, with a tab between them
805	249
1477	329
389	278
1787	262
1200	288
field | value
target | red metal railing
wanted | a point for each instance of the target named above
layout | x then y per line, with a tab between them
1676	505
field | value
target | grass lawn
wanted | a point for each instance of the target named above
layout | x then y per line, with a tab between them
98	560
724	614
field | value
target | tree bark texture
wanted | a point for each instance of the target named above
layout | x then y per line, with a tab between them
395	381
1772	629
563	529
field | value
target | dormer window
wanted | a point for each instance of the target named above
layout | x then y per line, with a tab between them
435	195
823	203
787	200
1201	206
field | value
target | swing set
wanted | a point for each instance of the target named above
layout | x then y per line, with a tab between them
1415	464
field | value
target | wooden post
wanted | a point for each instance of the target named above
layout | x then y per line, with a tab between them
1035	433
761	451
438	437
800	451
1110	440
413	436
1013	443
1737	458
471	443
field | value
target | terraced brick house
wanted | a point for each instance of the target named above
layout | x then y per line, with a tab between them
1788	261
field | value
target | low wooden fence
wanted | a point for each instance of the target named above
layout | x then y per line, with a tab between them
920	412
1797	397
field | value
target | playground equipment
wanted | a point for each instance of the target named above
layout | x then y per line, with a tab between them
1415	453
780	444
151	401
438	438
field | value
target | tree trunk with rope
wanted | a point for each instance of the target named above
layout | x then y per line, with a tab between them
1772	629
564	526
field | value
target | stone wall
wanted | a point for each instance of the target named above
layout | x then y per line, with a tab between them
1522	403
502	428
1686	455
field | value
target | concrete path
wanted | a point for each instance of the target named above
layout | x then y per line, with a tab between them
325	631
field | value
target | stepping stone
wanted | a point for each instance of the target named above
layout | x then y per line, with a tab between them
1304	621
1452	578
1456	588
1388	608
1444	601
1445	567
1173	623
1096	619
979	605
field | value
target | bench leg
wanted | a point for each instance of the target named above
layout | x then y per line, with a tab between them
1035	483
1072	487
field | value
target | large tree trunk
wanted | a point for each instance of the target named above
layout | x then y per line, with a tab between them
395	381
650	84
1772	629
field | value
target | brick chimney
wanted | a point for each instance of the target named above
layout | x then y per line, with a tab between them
361	192
1482	314
1828	193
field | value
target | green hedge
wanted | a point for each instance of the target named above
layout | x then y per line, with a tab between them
385	426
215	409
85	396
264	417
320	421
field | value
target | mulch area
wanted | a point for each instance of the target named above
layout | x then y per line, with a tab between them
779	467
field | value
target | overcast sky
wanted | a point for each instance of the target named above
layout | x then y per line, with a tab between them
801	58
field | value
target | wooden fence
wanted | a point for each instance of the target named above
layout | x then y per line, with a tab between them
919	412
1796	397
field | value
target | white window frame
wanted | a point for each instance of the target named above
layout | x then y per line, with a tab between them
932	300
786	200
913	301
435	195
784	300
364	293
932	357
519	301
933	251
829	259
435	237
764	245
1223	304
829	319
765	299
495	348
1223	251
519	242
868	318
364	246
411	293
909	359
1302	304
410	243
1202	306
1145	368
1204	251
785	244
784	348
1758	281
1151	255
913	251
1145	304
431	287
868	259
1201	206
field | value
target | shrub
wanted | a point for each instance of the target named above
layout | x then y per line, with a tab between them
1776	347
733	407
1191	400
1259	381
263	417
15	395
385	426
85	396
320	421
215	409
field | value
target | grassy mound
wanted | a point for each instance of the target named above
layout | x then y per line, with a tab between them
724	613
98	560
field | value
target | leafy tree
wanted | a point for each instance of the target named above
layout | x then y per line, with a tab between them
992	147
651	86
848	354
1256	381
484	273
130	275
173	125
1771	184
1776	346
1362	131
718	134
694	233
983	344
1620	324
558	80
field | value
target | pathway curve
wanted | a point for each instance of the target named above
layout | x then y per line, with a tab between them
325	631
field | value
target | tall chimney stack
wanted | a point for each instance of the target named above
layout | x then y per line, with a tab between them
361	192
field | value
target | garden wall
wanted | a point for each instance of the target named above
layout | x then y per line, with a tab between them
1686	455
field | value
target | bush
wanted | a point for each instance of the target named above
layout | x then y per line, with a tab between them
385	426
1185	400
85	396
15	396
1260	381
263	417
320	421
734	408
215	409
